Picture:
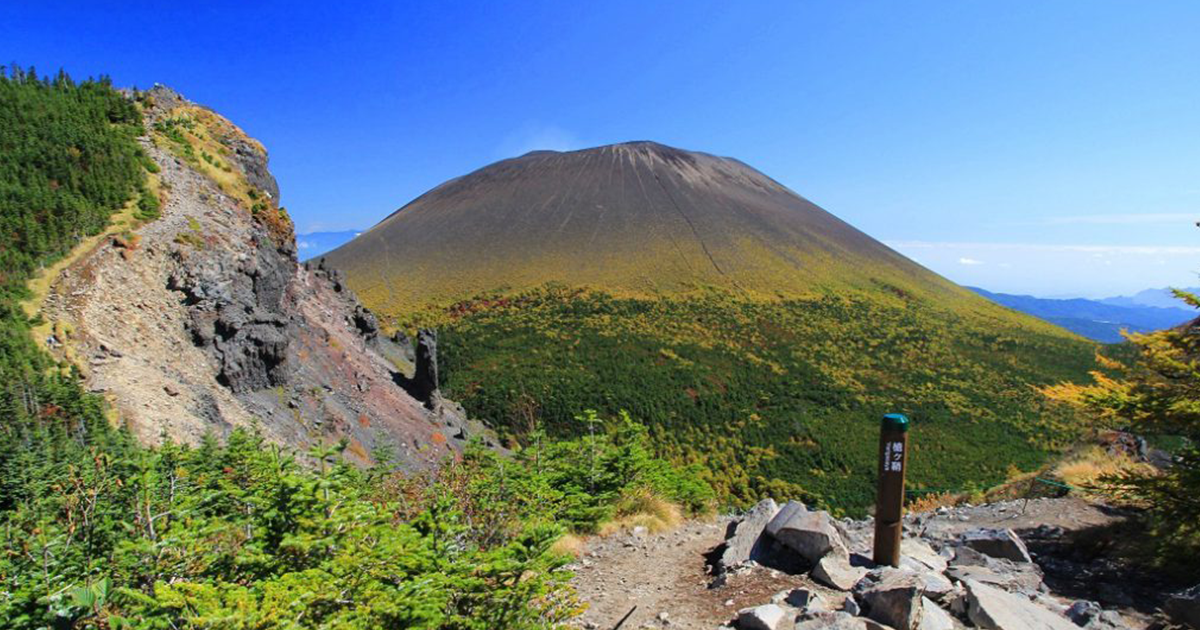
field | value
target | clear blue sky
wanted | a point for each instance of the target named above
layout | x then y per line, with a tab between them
1043	147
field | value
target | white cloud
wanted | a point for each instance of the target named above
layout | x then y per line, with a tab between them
1152	250
538	137
969	261
1125	219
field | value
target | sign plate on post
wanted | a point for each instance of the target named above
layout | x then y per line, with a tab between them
889	503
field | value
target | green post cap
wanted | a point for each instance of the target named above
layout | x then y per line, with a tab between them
895	422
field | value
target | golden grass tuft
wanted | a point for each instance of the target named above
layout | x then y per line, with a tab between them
1085	467
643	508
569	545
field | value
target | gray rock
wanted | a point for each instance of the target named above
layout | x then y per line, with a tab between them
850	605
765	617
894	599
997	543
1184	606
1082	612
836	572
936	585
838	621
1012	576
1028	578
917	550
933	617
748	541
993	609
812	535
807	600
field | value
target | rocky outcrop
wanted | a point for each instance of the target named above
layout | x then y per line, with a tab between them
423	385
203	321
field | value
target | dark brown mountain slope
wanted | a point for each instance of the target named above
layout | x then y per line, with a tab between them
638	217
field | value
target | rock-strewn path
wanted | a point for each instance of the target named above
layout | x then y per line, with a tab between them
667	577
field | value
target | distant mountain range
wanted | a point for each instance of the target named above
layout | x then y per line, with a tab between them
314	244
1103	320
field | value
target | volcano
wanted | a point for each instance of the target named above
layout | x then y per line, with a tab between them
636	217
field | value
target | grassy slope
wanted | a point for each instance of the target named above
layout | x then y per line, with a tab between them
756	333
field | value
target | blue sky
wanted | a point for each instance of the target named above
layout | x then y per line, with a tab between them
1050	148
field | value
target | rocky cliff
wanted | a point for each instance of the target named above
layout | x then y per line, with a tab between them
202	320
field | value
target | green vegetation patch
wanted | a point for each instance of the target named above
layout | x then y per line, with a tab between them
772	397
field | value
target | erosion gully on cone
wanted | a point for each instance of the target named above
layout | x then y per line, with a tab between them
889	504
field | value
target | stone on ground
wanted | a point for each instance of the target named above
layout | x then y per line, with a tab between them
812	535
991	608
919	551
765	617
748	542
836	572
933	617
997	543
838	621
894	599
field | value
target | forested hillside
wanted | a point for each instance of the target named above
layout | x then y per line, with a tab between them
773	398
100	531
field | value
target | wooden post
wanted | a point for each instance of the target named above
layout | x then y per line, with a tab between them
889	503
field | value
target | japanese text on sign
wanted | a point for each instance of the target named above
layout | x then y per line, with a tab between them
893	457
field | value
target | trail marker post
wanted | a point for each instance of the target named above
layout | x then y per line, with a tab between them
889	503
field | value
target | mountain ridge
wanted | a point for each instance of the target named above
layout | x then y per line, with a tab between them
1102	320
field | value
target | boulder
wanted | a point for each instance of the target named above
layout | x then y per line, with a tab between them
918	551
1082	612
936	585
810	534
765	617
1009	575
1184	606
748	541
837	572
997	543
933	617
894	598
991	608
1010	580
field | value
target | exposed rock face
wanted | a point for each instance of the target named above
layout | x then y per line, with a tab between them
237	312
204	321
